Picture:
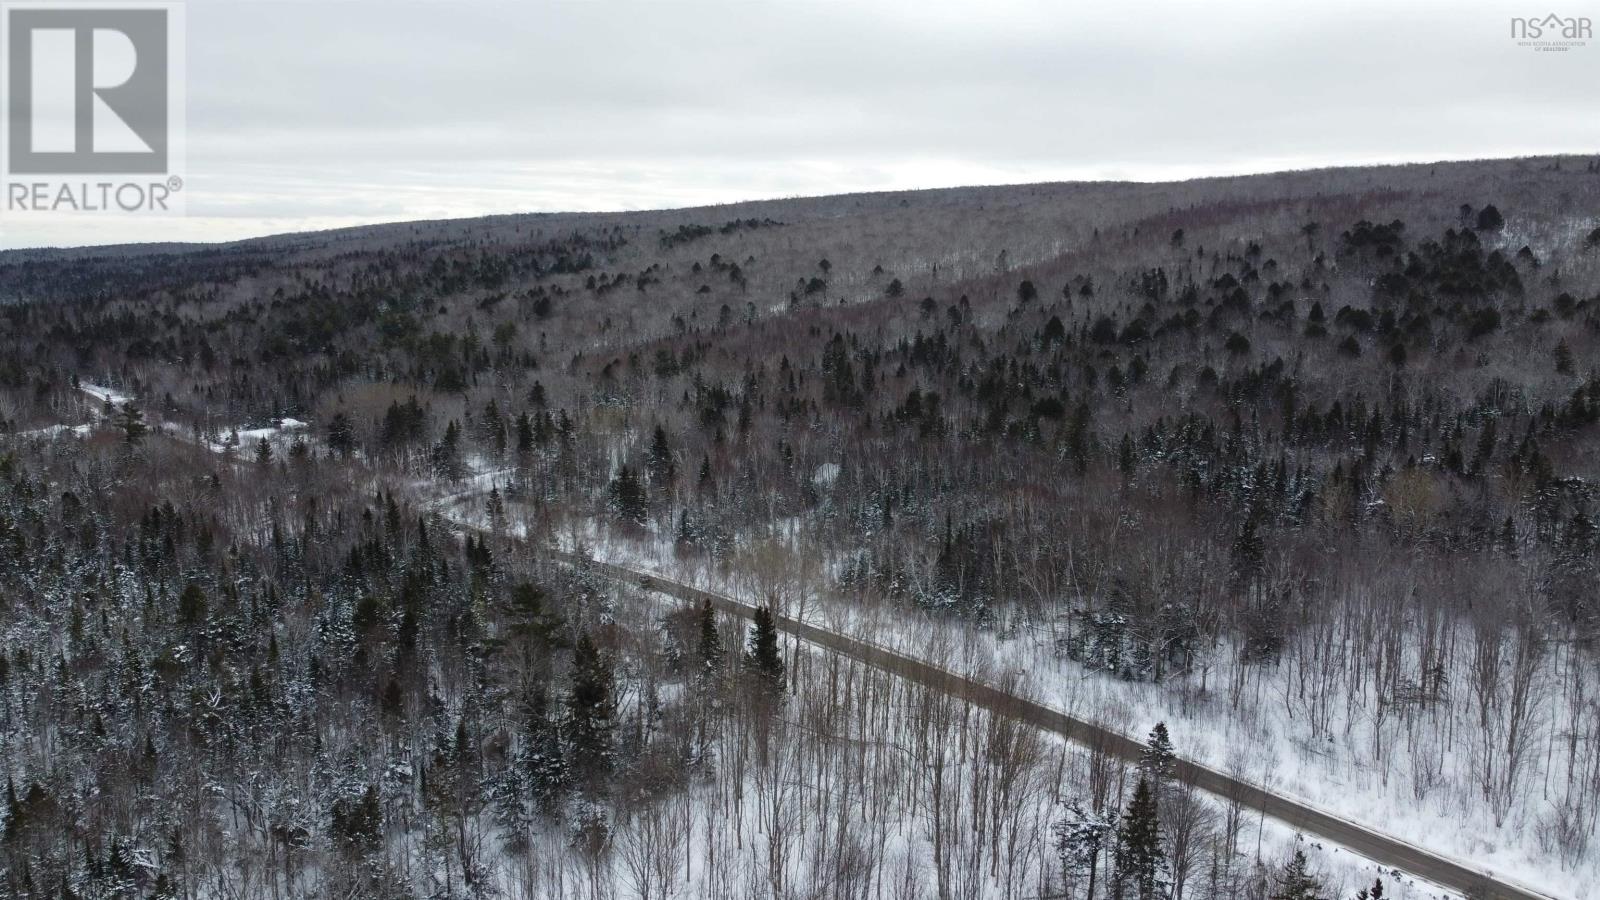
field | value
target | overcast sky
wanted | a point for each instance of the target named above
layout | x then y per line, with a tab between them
317	114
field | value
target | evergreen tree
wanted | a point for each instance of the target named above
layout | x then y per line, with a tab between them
14	811
1157	761
1127	458
710	649
543	757
509	792
357	824
662	469
447	453
494	429
1486	444
1080	839
1373	893
591	713
1397	354
1563	357
838	375
1248	553
1297	883
686	532
763	656
131	421
341	434
524	435
628	497
192	605
529	625
1054	331
1141	863
495	507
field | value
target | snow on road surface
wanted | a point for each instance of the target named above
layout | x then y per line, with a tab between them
247	439
1338	786
99	393
55	431
102	393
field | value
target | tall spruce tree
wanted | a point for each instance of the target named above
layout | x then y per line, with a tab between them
495	508
628	496
447	453
1141	863
529	625
662	468
591	714
710	649
524	435
131	421
1248	552
192	605
763	656
543	757
1297	883
341	434
494	429
1158	763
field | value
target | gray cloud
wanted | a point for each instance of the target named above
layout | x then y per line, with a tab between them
307	115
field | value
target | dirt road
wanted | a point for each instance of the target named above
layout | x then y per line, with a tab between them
1387	851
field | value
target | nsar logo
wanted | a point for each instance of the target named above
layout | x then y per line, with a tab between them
1552	32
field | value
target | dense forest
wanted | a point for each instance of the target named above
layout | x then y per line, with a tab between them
1293	475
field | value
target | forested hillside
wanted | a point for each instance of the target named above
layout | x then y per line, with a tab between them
1303	466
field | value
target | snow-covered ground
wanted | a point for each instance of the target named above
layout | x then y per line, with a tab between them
57	430
718	848
278	436
1261	740
49	432
103	394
